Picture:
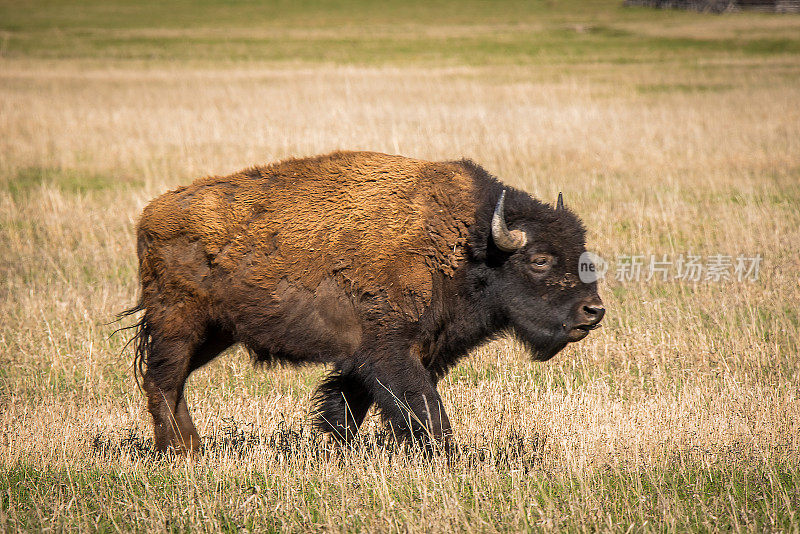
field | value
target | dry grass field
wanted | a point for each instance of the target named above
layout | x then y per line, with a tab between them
669	133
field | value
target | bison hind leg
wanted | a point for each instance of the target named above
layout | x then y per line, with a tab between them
168	362
341	404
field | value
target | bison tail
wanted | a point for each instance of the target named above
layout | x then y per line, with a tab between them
141	340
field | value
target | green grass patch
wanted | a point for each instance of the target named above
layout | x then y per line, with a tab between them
74	181
503	46
360	32
658	88
682	497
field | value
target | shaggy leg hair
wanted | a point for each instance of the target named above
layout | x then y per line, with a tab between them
403	390
341	403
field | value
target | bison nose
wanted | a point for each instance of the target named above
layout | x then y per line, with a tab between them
593	313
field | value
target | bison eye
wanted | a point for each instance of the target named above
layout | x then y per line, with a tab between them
541	262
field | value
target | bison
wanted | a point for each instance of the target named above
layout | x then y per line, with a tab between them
388	269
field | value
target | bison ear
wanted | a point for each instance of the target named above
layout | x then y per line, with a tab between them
505	240
560	202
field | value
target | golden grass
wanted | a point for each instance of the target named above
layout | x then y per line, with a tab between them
682	412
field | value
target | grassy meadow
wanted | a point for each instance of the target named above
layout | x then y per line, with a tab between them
669	133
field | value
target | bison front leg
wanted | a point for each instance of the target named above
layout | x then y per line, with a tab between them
408	399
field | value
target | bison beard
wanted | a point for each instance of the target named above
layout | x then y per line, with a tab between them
388	269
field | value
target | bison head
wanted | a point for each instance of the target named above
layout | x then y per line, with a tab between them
531	267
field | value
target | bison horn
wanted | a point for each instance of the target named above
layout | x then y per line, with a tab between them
560	202
505	240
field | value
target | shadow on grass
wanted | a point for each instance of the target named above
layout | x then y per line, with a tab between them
239	440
